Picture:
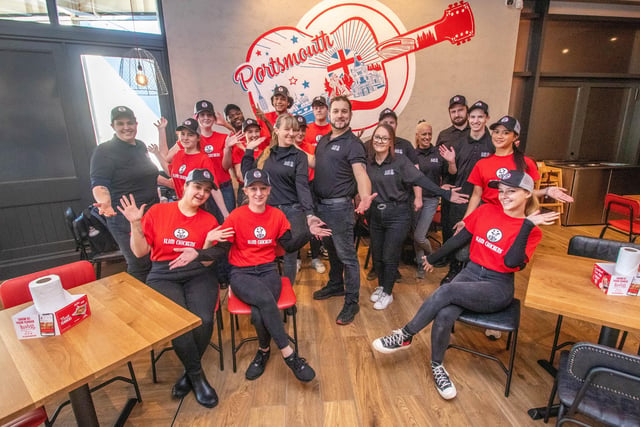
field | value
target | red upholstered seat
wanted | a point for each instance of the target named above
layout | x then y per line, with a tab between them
30	419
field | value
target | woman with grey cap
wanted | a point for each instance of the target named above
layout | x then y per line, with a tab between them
164	232
118	167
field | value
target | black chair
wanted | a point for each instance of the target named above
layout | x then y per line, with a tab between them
599	382
588	247
69	217
507	320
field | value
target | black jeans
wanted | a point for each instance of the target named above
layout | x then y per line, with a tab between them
475	288
344	269
388	226
120	229
195	288
260	286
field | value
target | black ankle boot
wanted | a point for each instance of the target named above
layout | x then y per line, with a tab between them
205	394
182	387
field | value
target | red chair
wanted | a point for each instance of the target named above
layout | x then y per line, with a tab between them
627	207
16	291
217	347
236	307
32	418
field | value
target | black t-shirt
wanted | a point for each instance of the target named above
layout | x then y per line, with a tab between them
432	165
288	169
468	152
452	135
334	159
125	169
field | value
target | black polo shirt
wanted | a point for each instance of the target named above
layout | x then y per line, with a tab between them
468	152
452	135
432	165
334	159
288	169
394	178
404	147
125	169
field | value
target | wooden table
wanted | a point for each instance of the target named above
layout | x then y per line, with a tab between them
561	284
127	318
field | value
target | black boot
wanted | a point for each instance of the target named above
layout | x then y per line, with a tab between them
205	394
182	387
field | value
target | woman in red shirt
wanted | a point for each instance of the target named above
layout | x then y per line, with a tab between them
165	231
502	241
258	228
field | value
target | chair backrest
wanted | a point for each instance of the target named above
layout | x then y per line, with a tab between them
592	247
622	205
586	356
16	291
69	218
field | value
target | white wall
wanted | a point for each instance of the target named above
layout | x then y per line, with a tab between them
208	40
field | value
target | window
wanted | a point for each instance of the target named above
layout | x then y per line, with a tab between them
27	11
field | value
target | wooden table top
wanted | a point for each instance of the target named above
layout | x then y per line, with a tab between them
561	284
127	318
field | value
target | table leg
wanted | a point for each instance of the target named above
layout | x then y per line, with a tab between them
608	336
83	408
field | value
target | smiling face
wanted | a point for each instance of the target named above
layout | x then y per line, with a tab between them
188	139
196	193
286	135
513	199
382	141
206	120
252	133
503	139
280	103
424	135
257	193
126	129
235	119
320	112
340	115
458	114
389	120
477	120
300	134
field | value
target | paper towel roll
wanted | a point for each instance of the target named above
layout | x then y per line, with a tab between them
628	261
47	294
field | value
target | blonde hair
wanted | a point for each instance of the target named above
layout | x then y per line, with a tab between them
532	205
283	120
422	125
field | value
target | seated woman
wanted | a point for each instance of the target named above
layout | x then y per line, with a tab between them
164	231
258	228
502	242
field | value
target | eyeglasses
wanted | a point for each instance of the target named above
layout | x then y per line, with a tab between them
381	139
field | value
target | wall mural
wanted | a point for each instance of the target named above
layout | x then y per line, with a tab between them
360	49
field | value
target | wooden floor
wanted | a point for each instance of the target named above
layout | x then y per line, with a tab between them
355	385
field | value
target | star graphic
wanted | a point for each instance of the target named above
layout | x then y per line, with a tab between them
258	53
305	84
293	81
294	40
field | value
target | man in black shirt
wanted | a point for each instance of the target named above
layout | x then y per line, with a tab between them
340	172
459	122
401	145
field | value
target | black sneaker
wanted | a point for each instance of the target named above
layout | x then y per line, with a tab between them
300	367
443	383
372	275
328	292
395	341
348	313
256	368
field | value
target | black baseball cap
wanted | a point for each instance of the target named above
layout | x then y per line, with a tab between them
514	178
387	112
122	111
189	124
458	99
479	105
248	123
282	90
256	175
201	175
302	122
229	107
203	105
319	100
511	123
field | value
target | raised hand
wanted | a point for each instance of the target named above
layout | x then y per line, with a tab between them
234	139
105	209
187	256
458	198
219	234
449	154
260	114
559	194
153	149
220	121
129	209
546	218
161	123
252	145
365	203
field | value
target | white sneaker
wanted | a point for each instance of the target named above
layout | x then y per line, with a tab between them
298	265
383	302
444	385
492	334
375	296
318	265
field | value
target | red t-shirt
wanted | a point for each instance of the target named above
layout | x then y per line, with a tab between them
256	235
492	168
309	148
183	163
166	228
271	116
213	146
315	132
493	235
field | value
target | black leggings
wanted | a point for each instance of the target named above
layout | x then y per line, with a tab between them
260	286
475	288
195	288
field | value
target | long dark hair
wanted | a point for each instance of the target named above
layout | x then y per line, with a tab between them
371	153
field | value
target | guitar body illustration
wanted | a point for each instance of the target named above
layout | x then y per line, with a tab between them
365	57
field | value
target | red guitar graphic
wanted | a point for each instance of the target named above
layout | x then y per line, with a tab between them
350	60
